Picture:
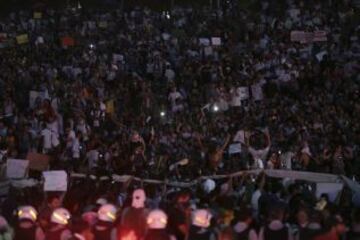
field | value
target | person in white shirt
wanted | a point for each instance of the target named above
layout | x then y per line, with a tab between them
84	128
259	155
50	139
76	147
174	95
169	73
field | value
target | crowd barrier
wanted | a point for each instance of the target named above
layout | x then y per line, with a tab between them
285	174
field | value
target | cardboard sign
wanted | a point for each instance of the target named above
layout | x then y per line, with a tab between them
37	15
16	168
22	39
55	181
110	106
38	162
67	41
216	41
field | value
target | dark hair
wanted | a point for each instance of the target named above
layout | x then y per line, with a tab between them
316	216
79	225
356	215
244	214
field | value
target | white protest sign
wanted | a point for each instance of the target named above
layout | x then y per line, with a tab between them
216	41
55	181
118	57
331	189
204	41
235	148
39	40
16	168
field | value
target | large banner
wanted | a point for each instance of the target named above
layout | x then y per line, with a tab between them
308	37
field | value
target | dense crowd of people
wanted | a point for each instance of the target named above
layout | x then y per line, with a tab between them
176	95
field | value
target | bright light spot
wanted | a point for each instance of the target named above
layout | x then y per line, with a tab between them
162	113
216	108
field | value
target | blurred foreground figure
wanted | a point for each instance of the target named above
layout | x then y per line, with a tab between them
134	217
59	225
27	228
157	222
104	228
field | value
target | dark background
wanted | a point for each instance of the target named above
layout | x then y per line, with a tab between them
7	6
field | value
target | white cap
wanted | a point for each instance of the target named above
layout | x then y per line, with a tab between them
27	212
209	185
138	198
60	216
107	213
201	218
157	219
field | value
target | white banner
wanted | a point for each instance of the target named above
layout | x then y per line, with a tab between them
331	189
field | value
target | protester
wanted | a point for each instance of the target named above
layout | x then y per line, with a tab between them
27	227
59	225
175	96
